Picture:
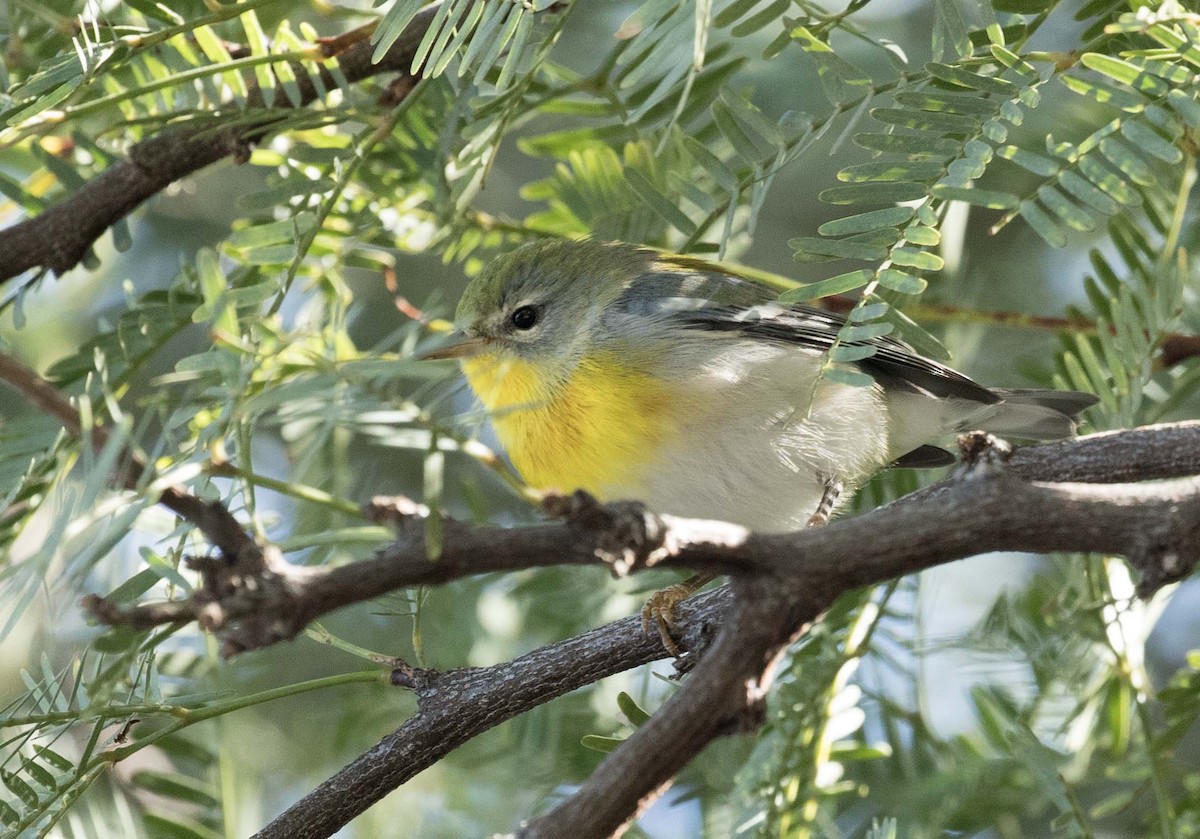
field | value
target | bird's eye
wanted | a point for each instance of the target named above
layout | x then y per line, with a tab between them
524	317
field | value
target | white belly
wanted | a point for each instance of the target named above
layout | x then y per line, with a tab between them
752	451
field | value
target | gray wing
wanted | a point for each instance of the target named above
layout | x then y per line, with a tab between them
895	363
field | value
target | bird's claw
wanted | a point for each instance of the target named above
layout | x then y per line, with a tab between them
659	611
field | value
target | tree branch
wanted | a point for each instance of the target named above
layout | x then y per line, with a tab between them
457	705
60	237
209	517
996	501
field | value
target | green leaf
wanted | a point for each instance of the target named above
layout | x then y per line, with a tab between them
1186	106
846	353
919	259
949	30
864	332
389	30
868	311
1043	224
1014	62
177	786
874	193
1071	214
926	120
18	787
134	587
711	164
922	341
913	145
853	378
1084	191
658	203
1108	181
765	16
865	222
748	145
597	743
1126	73
632	711
885	170
995	130
823	288
1128	161
1150	141
1105	94
950	103
1020	7
919	234
965	78
1035	163
836	249
733	12
979	197
900	281
841	80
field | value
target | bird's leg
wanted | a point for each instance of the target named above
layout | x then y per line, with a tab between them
833	489
660	608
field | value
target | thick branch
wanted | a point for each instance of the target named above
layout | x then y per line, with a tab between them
782	582
973	512
456	705
60	237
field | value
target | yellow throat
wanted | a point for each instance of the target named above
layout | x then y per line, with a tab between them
600	430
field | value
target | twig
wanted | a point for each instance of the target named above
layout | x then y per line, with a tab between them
61	236
211	518
456	705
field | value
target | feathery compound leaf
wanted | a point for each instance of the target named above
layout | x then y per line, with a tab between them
912	145
1125	72
892	171
1150	141
919	259
1034	163
965	78
1043	224
1071	214
842	81
659	203
865	222
840	284
806	247
394	22
899	281
949	30
875	193
927	120
1084	191
1128	161
1186	106
979	197
951	103
1108	181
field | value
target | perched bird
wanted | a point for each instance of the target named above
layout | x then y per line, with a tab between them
634	375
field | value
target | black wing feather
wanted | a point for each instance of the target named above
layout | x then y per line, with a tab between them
894	362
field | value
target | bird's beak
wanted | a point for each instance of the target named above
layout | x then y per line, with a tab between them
459	347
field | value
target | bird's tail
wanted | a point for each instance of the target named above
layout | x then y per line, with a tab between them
1034	414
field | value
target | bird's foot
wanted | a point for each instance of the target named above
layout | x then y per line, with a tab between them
659	610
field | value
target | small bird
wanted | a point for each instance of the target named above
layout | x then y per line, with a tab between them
631	374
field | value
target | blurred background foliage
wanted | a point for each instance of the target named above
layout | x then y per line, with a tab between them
1010	180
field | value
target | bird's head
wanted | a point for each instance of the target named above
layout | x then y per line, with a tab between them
543	303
